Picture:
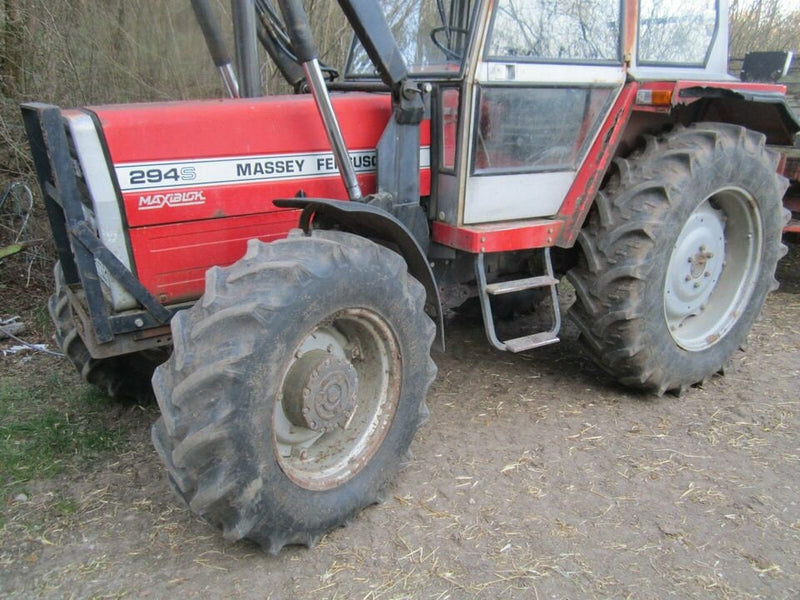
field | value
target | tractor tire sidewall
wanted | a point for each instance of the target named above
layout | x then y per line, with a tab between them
125	377
628	242
727	169
322	274
365	289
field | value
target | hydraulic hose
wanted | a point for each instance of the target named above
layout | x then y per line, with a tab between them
303	43
216	46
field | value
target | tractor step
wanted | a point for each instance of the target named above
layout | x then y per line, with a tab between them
529	342
519	285
525	342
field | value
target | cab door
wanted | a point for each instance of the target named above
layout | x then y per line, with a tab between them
546	76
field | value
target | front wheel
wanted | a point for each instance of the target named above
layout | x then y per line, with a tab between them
679	255
125	377
296	386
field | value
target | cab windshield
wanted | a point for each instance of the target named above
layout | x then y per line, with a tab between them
432	36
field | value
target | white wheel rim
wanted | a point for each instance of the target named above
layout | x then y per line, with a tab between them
364	359
713	268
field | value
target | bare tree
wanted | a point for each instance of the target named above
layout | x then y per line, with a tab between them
12	47
762	25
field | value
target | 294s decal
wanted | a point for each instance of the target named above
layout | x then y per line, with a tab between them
174	175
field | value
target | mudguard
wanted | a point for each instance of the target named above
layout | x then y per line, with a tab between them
766	111
376	224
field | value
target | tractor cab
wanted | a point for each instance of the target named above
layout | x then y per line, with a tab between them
524	88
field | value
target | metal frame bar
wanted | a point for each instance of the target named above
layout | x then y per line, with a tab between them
79	248
246	48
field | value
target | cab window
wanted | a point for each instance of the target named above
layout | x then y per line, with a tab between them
676	32
432	37
513	135
555	31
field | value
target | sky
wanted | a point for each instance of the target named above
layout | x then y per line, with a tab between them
790	5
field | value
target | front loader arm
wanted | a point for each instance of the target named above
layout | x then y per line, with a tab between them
398	150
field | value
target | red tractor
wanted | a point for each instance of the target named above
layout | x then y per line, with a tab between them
291	257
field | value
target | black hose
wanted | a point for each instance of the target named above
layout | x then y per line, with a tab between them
210	27
299	29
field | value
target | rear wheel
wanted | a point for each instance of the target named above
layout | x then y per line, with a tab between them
295	388
125	377
679	255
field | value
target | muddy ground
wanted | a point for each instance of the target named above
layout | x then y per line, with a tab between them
536	477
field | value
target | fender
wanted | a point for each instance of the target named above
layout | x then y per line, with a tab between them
374	223
761	110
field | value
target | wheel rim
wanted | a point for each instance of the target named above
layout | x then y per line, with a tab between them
338	399
713	269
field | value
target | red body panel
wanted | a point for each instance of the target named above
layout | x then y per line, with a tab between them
498	237
174	258
198	178
565	226
579	199
563	229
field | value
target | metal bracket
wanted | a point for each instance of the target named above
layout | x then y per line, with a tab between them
118	271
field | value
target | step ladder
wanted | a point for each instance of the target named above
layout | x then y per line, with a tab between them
526	342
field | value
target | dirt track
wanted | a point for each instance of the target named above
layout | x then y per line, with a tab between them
536	477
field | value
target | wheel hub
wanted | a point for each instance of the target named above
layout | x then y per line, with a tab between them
696	264
320	391
338	399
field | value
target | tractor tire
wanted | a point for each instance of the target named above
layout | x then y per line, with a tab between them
678	256
125	378
296	385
